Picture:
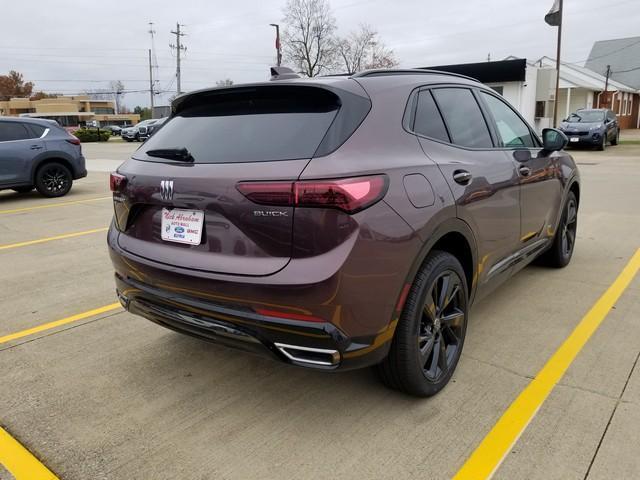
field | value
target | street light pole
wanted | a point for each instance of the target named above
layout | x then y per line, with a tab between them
278	49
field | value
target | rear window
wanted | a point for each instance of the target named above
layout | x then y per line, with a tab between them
249	125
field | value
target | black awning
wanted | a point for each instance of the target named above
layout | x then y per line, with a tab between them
489	72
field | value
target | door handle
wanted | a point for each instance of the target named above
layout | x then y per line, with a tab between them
524	171
462	177
36	147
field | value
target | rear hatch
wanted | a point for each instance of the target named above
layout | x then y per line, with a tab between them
214	140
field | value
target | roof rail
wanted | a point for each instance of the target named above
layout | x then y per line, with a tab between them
408	71
282	73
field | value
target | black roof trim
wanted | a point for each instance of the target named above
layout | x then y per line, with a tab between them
513	70
409	71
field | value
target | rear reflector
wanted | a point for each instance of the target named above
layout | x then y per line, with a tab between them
350	195
116	181
73	140
287	315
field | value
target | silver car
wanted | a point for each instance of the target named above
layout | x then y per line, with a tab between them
38	153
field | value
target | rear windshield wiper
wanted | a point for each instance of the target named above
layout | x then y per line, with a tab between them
178	154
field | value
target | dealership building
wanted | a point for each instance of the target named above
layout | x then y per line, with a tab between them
68	111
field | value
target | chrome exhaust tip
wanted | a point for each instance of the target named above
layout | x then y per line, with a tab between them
310	356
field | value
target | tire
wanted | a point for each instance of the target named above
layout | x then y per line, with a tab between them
23	189
429	338
616	138
53	180
603	144
564	241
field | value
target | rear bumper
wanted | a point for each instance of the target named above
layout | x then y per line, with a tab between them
319	345
81	169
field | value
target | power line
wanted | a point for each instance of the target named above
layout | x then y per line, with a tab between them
628	70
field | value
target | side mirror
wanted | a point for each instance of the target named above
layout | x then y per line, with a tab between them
553	139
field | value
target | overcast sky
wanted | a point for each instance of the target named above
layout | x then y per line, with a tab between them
68	46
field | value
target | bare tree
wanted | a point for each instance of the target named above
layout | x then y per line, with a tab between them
227	82
361	50
117	89
308	38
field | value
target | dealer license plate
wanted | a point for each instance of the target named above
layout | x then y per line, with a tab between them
182	226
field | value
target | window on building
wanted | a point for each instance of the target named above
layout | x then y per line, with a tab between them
512	129
631	104
498	89
103	110
428	121
463	117
540	109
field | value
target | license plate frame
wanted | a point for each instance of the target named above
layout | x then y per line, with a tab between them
180	225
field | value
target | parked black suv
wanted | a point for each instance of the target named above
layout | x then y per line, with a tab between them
595	127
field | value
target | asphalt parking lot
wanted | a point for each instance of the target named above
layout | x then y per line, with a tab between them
111	396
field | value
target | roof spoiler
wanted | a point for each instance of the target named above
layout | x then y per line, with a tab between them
282	73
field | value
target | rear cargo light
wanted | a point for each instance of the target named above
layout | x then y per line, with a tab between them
73	140
116	181
350	195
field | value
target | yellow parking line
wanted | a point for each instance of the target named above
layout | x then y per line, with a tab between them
20	462
51	205
488	456
51	239
57	323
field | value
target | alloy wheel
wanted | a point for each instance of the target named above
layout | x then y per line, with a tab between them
570	227
55	180
441	327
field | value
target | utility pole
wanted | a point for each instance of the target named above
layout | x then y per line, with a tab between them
555	103
278	48
178	47
606	86
151	82
151	92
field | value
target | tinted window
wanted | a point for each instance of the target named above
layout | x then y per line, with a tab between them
512	130
249	125
36	130
13	131
428	121
463	117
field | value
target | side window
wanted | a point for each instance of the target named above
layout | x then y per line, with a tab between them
36	130
513	131
463	117
428	121
13	131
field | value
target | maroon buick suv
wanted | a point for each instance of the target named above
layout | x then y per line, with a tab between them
339	222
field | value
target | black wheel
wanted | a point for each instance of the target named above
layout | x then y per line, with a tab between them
23	189
559	255
53	180
430	334
616	138
603	144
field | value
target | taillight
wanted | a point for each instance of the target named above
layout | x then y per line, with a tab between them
73	140
350	195
116	181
